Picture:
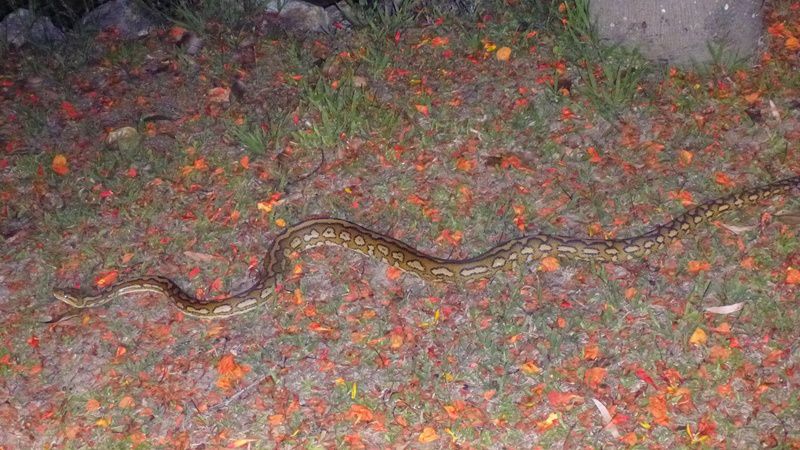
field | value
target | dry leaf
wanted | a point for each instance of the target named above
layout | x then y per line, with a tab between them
219	95
591	352
106	279
727	309
594	376
549	264
549	422
92	405
563	399
503	54
611	427
360	413
698	266
788	219
657	406
530	368
202	257
59	164
699	337
792	275
126	402
737	230
428	435
229	372
773	110
393	273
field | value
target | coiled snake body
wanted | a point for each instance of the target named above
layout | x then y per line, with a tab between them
329	231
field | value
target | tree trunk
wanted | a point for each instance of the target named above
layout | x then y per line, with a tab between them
682	32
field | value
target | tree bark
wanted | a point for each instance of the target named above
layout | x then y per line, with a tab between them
681	32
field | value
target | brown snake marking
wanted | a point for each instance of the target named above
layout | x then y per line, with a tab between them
329	231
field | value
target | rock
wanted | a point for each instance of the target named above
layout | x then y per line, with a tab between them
126	16
124	139
22	26
301	16
679	32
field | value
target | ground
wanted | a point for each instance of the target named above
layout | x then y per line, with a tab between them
449	133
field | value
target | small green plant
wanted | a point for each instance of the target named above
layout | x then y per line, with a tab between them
579	32
470	8
252	138
724	61
340	110
611	75
613	82
33	120
378	58
195	15
382	18
542	13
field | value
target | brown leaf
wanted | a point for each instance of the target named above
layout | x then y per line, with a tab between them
594	376
503	54
737	230
202	257
359	413
219	95
59	165
726	309
610	426
92	405
657	406
699	337
788	219
564	399
428	435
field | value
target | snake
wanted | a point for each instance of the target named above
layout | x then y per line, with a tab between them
526	249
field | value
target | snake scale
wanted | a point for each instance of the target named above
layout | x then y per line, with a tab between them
342	233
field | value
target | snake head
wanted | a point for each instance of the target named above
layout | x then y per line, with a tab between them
71	297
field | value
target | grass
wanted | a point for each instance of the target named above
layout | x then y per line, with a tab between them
611	75
613	84
382	20
198	15
724	61
427	139
342	111
254	138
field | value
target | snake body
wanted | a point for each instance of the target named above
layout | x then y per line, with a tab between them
342	233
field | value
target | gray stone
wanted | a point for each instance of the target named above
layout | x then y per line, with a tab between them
302	16
126	16
679	32
22	26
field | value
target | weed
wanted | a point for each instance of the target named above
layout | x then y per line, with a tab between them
541	14
611	75
253	138
579	33
196	15
127	54
531	117
382	18
724	61
342	110
33	119
378	59
613	82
